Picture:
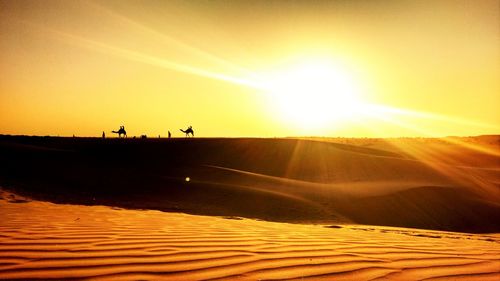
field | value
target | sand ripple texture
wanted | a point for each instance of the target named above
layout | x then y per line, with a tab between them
40	240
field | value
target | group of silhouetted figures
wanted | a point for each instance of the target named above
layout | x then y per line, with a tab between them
123	134
120	132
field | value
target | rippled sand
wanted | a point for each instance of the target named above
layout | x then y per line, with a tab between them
40	240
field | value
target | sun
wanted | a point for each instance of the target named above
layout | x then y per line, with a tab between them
314	94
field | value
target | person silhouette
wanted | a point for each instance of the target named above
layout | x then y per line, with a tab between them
103	135
169	134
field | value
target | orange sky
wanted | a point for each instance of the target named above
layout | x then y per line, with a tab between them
82	67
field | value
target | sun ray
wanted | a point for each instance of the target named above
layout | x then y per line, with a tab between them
137	56
383	112
428	115
167	39
467	176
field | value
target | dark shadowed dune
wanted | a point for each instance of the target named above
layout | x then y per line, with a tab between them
286	180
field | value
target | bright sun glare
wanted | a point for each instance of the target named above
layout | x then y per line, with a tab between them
314	95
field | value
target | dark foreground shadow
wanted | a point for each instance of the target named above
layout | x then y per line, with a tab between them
179	176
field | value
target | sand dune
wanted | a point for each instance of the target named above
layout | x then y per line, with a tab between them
429	185
40	240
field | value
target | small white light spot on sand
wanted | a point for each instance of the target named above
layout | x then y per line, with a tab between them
188	179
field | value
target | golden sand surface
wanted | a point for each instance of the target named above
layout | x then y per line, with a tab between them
41	240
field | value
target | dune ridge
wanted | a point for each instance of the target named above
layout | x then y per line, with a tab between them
427	184
41	240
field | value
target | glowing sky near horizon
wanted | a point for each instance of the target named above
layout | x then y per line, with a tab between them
82	67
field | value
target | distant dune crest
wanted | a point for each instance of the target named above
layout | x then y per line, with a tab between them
426	184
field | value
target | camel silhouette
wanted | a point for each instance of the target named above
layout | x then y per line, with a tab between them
121	132
188	131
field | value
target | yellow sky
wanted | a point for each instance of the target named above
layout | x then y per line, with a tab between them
82	67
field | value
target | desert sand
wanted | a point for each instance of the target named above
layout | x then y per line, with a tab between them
250	209
41	240
418	183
